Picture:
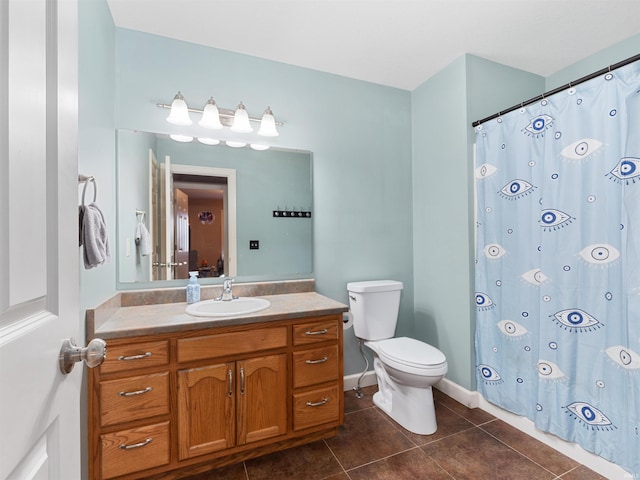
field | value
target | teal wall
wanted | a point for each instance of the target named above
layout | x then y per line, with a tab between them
393	172
133	150
96	134
604	58
443	109
359	133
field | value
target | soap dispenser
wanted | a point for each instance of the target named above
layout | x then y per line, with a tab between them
193	288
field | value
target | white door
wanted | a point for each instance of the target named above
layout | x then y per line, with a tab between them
39	286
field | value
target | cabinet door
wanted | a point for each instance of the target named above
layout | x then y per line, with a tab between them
206	409
262	398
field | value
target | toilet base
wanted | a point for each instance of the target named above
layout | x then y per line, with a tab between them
411	407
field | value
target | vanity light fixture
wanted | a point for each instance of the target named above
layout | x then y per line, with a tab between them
181	138
241	122
208	141
210	116
214	117
268	124
179	114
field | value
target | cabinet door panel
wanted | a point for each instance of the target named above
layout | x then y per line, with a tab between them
206	409
262	398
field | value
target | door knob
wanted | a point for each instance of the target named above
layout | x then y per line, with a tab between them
93	354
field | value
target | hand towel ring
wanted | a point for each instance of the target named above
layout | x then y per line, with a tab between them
87	180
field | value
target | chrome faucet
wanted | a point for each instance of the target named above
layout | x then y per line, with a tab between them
227	293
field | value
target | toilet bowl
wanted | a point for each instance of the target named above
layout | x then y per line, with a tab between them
406	368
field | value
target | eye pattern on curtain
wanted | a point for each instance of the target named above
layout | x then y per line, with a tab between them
558	264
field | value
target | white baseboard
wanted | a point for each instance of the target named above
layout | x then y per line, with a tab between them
476	400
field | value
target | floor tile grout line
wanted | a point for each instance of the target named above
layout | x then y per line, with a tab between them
334	456
383	458
520	453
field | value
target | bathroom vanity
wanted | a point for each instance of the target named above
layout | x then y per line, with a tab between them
178	395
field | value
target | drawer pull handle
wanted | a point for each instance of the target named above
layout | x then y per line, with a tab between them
318	404
136	445
230	375
313	362
134	357
137	392
242	381
317	332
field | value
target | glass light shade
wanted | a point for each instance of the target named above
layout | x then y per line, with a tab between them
210	116
241	122
179	114
236	144
208	141
181	138
268	124
259	146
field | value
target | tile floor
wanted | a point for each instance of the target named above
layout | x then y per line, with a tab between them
469	444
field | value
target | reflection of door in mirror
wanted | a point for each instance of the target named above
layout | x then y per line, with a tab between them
164	238
154	179
181	235
206	199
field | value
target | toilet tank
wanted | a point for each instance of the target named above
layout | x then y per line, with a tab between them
374	305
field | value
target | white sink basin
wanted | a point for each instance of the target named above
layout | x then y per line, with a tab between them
230	308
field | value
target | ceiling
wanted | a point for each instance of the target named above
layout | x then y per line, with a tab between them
398	43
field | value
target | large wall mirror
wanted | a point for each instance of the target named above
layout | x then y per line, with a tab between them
188	206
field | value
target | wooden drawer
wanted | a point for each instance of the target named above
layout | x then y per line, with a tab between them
135	449
320	330
315	366
121	358
316	407
133	398
225	344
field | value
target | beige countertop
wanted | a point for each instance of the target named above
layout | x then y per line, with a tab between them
126	321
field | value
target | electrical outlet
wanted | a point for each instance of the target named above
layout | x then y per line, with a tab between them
254	244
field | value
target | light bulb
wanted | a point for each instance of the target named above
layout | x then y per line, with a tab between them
181	138
235	144
210	116
208	141
241	122
179	114
259	146
268	124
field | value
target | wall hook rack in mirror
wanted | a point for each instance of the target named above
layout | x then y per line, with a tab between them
291	213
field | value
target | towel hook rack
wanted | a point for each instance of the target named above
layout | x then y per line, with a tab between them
86	180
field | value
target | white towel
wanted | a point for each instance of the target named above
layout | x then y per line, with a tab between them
93	236
143	239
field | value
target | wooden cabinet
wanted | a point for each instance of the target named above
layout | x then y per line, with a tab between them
173	404
221	406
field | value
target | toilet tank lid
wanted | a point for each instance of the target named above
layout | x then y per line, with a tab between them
374	286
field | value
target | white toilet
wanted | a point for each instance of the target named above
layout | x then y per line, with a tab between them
406	368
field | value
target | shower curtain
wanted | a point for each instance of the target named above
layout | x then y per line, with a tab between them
558	264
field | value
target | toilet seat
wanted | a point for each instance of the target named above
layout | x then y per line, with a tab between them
412	356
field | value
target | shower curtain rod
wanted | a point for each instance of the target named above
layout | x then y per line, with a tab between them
560	89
